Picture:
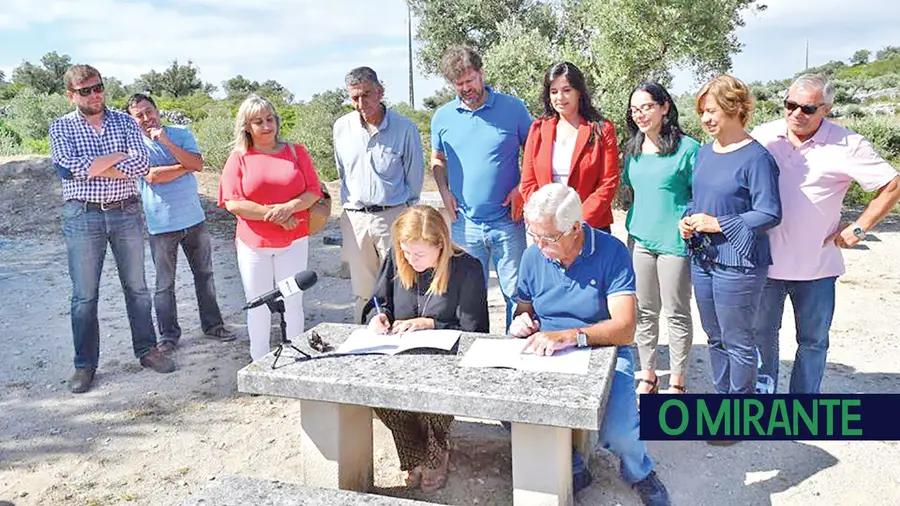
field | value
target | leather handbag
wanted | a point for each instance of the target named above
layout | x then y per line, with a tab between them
320	212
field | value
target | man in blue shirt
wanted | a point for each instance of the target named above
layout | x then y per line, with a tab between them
175	217
476	140
378	155
576	288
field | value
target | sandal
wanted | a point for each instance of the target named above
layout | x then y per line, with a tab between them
413	477
676	389
435	479
654	385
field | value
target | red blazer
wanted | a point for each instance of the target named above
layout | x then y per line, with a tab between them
594	172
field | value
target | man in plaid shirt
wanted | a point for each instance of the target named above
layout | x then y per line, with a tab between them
100	155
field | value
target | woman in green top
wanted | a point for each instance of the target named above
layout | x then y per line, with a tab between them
659	161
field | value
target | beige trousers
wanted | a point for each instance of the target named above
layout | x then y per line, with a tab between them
366	240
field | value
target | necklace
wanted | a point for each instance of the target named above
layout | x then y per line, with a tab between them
421	312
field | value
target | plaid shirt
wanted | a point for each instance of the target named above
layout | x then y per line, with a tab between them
74	144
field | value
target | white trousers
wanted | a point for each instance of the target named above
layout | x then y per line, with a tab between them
261	269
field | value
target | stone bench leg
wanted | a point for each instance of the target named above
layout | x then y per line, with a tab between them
583	440
336	445
541	465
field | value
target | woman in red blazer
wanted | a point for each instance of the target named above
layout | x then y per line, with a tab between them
572	144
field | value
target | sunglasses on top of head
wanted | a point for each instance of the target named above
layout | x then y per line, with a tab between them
805	109
88	90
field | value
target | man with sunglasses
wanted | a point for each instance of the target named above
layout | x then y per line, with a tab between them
818	160
175	218
102	154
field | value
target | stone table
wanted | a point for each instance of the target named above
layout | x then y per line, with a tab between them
338	392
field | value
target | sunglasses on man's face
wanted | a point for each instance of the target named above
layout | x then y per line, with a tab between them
88	90
805	109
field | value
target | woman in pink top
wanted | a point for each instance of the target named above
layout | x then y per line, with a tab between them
269	185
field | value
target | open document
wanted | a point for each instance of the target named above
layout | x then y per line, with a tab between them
364	341
508	353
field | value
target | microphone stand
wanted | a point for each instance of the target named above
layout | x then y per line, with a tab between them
277	306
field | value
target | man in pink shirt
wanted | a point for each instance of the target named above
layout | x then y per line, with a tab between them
818	160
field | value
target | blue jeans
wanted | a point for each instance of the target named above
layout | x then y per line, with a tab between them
813	303
87	233
197	247
503	241
728	299
620	430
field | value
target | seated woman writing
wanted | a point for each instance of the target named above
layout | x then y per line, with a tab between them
425	283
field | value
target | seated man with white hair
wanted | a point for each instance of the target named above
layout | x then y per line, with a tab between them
576	288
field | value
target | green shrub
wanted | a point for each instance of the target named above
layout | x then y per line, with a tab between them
30	113
882	131
313	129
7	131
9	145
214	134
37	146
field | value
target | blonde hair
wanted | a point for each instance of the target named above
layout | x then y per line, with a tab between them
252	106
423	223
732	95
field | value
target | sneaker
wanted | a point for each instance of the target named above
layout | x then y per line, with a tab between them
652	491
581	481
160	363
82	380
166	347
220	333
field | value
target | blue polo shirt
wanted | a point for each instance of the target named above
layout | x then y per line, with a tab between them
576	297
172	206
482	151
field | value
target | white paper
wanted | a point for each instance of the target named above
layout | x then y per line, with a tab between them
363	341
508	353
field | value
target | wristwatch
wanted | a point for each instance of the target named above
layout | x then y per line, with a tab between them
581	339
858	231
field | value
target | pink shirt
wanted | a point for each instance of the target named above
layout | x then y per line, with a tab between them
813	180
268	179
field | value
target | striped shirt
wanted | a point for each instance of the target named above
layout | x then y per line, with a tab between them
74	144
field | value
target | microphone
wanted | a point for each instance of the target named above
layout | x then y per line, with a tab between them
300	282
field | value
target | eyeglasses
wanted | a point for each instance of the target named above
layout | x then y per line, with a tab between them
88	90
317	343
792	106
643	109
544	239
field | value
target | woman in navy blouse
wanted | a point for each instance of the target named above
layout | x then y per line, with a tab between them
735	201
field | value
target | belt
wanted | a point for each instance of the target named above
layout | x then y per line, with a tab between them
375	209
106	206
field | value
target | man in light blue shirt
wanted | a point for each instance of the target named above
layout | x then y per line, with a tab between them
175	217
378	154
476	140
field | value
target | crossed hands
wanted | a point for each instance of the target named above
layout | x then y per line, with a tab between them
282	214
699	222
539	343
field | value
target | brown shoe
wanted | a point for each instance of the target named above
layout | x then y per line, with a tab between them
220	334
158	362
166	346
82	380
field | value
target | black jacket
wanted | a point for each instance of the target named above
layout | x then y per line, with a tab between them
462	307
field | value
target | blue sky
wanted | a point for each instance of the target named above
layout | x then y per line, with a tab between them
309	45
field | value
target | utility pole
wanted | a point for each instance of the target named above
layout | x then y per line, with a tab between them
807	54
412	96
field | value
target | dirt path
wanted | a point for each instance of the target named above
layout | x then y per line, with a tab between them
147	439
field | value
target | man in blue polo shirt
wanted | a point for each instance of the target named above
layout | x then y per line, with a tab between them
576	288
175	217
476	140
